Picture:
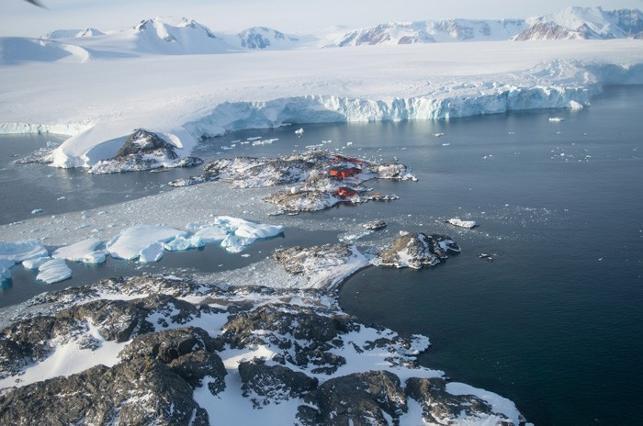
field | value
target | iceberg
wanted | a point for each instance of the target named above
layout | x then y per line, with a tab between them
151	253
456	221
35	262
21	250
16	252
86	251
211	234
5	266
53	271
131	242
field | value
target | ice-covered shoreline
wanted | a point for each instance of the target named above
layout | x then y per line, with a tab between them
208	95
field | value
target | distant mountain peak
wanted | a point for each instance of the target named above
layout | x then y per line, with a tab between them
265	38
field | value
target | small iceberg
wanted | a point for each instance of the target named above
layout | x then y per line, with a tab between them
21	250
148	242
131	242
17	252
35	262
53	271
5	267
235	234
556	119
152	253
468	224
86	251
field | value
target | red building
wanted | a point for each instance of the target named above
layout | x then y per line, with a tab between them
343	173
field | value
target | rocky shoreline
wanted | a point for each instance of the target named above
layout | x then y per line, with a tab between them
186	350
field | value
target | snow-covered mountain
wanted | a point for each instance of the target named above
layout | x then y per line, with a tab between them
158	35
154	36
74	33
575	23
266	38
433	31
570	23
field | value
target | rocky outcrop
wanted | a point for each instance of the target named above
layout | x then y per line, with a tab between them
265	384
321	180
282	345
153	384
360	399
33	339
417	250
301	335
439	406
144	150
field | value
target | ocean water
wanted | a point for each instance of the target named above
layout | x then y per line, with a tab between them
554	323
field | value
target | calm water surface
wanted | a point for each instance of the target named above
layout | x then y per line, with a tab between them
555	323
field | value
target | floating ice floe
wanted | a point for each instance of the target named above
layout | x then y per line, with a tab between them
5	266
16	252
299	132
556	119
147	242
21	250
151	253
35	262
86	251
131	242
53	271
576	106
468	224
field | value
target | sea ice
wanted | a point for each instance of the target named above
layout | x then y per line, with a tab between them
53	271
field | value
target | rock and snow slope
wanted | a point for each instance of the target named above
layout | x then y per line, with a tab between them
432	32
570	23
153	36
202	353
584	23
183	98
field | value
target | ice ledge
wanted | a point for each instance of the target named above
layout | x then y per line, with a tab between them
555	85
69	129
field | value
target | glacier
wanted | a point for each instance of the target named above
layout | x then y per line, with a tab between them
264	89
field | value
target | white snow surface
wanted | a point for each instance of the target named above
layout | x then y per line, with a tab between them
68	358
99	102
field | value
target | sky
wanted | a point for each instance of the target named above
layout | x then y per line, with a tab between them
19	18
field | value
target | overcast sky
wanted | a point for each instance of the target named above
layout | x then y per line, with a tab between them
17	17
